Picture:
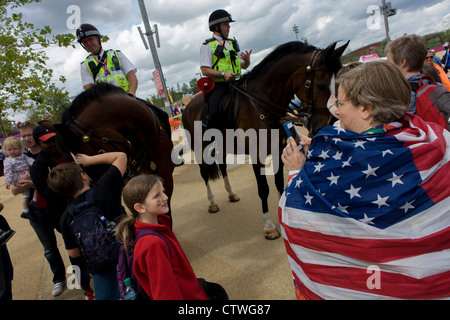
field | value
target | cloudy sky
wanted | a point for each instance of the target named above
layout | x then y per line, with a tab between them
183	26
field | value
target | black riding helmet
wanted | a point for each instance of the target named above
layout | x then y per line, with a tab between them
87	30
217	17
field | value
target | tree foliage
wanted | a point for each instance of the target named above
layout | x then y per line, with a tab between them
25	77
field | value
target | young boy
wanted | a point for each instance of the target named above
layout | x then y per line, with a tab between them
69	179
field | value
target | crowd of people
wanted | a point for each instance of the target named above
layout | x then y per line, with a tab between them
370	190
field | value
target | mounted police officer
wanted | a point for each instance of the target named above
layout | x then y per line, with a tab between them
222	61
110	66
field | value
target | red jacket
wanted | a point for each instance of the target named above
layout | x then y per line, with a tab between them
164	277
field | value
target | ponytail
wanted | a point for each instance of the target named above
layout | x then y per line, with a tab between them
125	233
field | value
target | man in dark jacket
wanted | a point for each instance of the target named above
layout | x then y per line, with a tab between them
51	206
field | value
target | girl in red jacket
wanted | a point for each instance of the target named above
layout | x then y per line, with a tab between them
163	275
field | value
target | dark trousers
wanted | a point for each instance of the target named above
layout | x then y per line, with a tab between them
211	110
45	231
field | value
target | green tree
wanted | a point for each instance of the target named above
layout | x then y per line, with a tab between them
24	75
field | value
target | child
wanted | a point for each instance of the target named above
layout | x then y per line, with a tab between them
15	163
162	275
70	180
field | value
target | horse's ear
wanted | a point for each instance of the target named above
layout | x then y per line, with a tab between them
62	129
330	50
340	51
49	125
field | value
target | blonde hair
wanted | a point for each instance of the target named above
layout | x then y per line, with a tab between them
380	85
135	191
10	141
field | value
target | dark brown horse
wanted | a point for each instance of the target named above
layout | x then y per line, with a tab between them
105	119
259	101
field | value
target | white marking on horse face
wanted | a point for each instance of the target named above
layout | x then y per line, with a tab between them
333	85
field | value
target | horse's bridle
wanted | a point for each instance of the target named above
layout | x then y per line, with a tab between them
307	81
88	135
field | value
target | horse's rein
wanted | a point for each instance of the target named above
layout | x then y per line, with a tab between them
308	81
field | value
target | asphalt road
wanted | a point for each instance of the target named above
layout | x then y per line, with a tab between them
227	247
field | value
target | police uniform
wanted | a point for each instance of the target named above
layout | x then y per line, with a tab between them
114	70
223	56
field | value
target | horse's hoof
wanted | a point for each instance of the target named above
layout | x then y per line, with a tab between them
234	198
271	234
213	208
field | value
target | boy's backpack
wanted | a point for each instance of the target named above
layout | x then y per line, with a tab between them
432	102
125	266
95	235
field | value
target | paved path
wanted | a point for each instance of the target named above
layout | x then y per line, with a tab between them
227	247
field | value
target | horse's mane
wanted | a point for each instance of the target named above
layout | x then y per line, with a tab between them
94	93
282	50
332	62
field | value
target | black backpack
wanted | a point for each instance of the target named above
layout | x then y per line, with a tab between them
95	235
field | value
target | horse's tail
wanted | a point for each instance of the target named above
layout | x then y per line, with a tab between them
212	172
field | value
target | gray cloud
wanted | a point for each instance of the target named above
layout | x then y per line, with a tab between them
183	26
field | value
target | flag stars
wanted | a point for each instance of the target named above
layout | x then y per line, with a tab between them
367	220
342	208
360	143
370	171
333	179
353	192
346	163
395	179
387	152
308	198
381	201
298	183
318	167
339	129
407	206
324	155
338	156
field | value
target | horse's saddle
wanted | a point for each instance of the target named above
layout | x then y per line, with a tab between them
228	111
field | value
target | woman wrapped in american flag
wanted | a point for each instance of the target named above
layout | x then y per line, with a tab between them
366	213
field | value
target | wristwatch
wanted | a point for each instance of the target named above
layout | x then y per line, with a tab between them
222	75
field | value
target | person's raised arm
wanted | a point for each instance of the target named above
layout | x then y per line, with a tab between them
117	159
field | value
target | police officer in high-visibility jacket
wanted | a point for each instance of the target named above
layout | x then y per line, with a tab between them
110	66
222	61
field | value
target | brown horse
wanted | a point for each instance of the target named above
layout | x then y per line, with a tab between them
105	119
259	100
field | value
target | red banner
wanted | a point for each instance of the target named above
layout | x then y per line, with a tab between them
158	82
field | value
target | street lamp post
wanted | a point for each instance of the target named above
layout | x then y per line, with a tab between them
149	34
387	12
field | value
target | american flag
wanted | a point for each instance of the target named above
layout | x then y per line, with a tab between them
368	216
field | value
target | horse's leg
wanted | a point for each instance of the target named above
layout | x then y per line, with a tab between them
213	207
233	197
270	231
279	178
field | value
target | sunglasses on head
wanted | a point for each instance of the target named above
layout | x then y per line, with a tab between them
24	124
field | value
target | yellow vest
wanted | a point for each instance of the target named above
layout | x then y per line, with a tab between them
225	60
113	73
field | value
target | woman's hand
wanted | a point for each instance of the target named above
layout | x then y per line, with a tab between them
293	158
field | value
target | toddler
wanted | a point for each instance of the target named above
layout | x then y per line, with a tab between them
15	163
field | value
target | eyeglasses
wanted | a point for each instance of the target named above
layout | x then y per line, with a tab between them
429	57
24	124
339	104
